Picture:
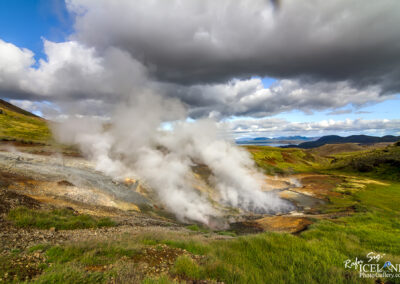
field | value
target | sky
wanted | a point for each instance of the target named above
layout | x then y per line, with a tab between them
259	68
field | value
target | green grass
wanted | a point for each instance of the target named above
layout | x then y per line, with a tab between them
70	274
315	256
68	263
90	254
61	219
377	163
227	233
186	267
16	126
285	161
197	228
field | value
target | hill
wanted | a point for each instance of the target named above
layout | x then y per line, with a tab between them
335	139
20	125
274	160
329	150
292	140
377	163
7	106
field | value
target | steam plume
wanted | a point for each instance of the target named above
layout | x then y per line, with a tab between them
134	145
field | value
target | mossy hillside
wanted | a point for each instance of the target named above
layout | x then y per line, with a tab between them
22	127
285	161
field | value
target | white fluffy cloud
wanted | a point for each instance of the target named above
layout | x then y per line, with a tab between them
71	71
250	98
273	127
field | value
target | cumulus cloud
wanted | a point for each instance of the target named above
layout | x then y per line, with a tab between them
250	98
71	72
273	127
88	82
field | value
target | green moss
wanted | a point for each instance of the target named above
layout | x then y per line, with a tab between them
62	219
197	228
227	233
285	161
23	128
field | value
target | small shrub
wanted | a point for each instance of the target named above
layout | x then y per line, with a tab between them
186	267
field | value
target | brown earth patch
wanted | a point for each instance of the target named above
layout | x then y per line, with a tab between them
319	186
276	183
21	267
287	158
286	224
270	161
283	224
10	200
160	259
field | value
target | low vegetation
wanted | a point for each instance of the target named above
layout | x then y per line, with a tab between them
62	219
20	127
285	161
315	256
378	163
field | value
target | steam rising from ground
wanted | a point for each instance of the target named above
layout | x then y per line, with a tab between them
134	145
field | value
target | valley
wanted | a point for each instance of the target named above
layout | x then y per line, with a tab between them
62	221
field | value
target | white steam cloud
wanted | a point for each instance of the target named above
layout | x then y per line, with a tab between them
134	145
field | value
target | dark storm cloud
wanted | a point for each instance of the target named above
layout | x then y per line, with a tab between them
212	41
325	54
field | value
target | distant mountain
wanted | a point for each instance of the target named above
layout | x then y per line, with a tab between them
294	138
335	139
277	140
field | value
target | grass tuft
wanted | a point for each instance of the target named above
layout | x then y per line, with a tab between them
61	219
187	268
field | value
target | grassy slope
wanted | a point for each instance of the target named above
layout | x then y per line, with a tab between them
315	256
279	161
22	126
378	163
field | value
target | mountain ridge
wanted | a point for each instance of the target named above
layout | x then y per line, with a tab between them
336	139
